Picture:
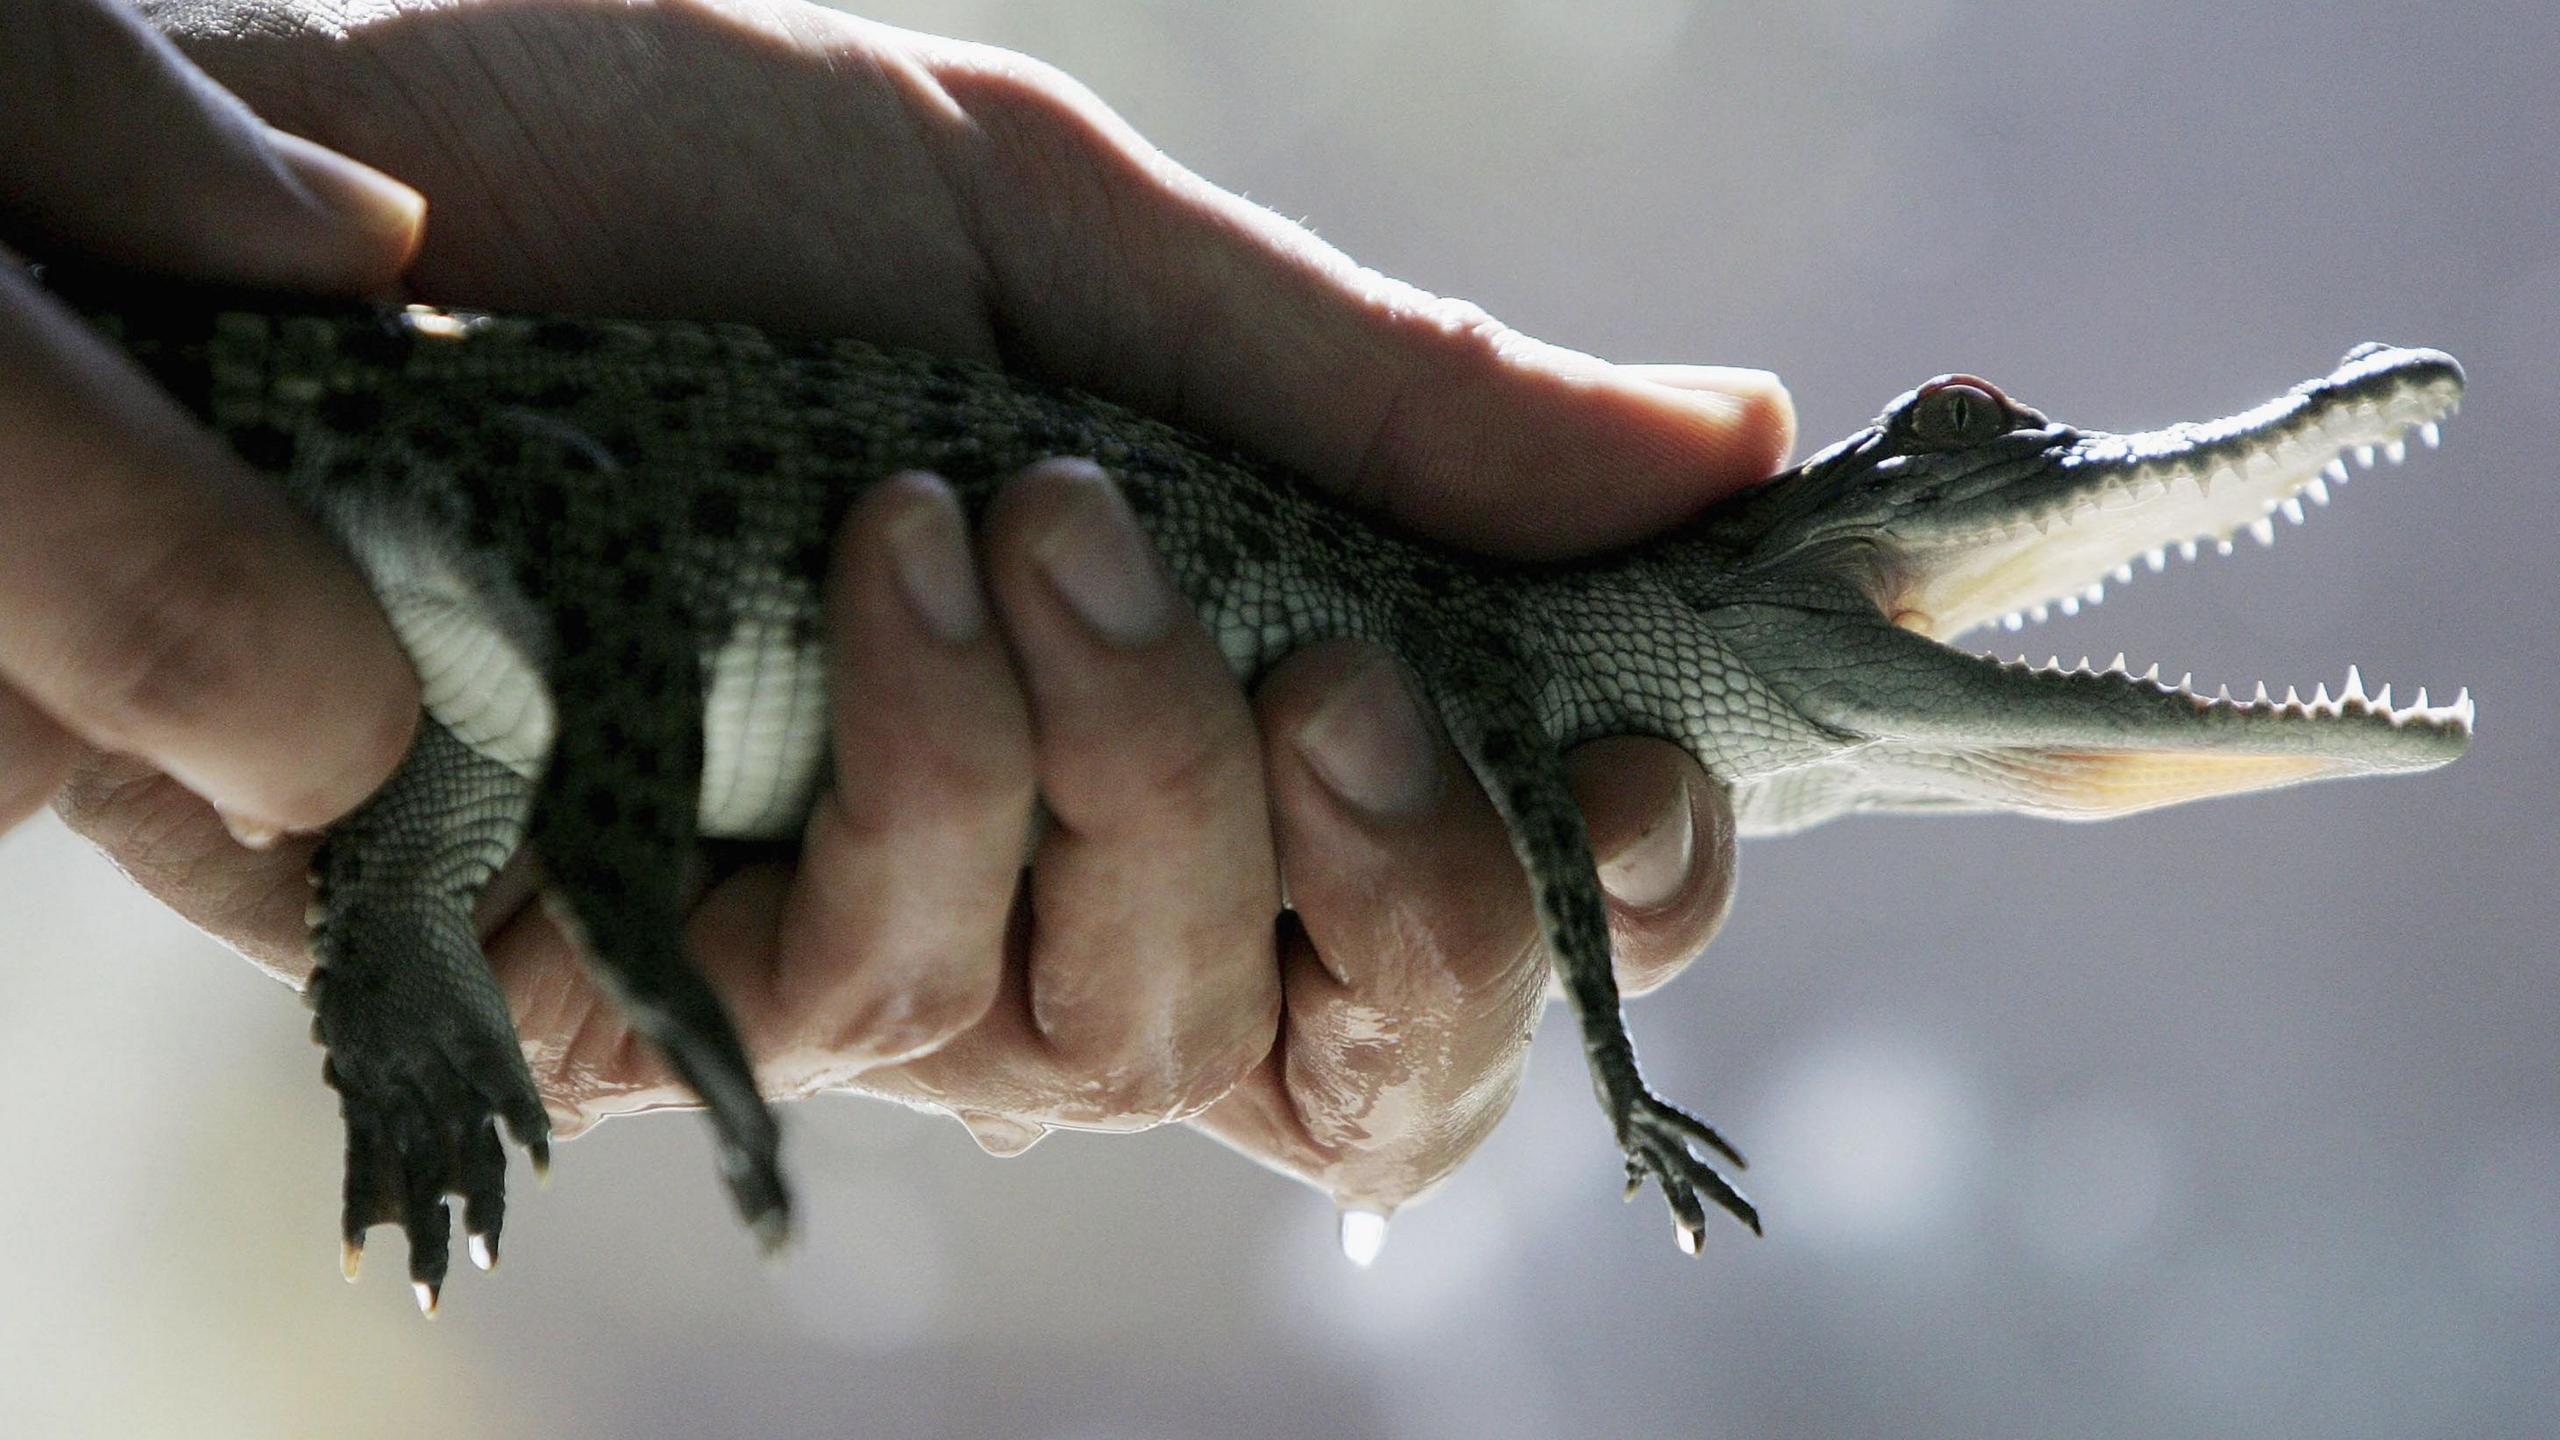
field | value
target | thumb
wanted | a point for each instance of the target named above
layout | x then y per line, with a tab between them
129	155
1118	271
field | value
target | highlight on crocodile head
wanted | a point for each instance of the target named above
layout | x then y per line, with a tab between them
1960	507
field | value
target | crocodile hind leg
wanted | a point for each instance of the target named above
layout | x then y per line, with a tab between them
422	1050
615	823
1497	730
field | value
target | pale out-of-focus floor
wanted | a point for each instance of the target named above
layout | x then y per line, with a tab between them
2243	1119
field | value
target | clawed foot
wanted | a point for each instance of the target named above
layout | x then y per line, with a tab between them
1656	1136
708	1058
422	1126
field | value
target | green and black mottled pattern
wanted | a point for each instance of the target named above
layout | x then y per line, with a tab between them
618	496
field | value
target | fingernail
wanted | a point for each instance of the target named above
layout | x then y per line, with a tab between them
1649	871
1370	744
356	193
1739	381
1754	402
1104	567
929	545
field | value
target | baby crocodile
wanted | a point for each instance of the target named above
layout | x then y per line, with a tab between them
601	542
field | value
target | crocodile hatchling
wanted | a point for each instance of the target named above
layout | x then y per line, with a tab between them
572	521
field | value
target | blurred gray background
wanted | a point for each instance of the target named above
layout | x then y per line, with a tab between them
2238	1119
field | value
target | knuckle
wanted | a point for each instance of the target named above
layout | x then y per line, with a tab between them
1184	771
1196	767
1136	1091
1025	100
1459	339
936	794
1161	1074
887	1025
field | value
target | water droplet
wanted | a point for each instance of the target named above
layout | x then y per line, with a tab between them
1001	1135
1364	1234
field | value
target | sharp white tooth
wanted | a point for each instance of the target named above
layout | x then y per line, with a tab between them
2382	699
2263	530
2463	713
2431	433
2364	456
2355	685
2292	698
2124	573
2320	696
2013	621
2053	663
2421	702
2292	508
2041	613
2187	549
2336	470
2396	451
2070	604
2116	664
2157	559
2187	683
2095	594
2261	698
2222	546
2318	490
2222	696
2152	674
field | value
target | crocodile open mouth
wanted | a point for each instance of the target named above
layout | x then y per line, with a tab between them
2048	517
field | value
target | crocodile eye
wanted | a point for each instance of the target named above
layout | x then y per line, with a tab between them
1959	410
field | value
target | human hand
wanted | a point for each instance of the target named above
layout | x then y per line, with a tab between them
156	598
659	159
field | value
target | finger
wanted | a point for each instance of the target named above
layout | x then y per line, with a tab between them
35	755
160	834
1202	306
1664	835
1413	978
140	160
893	938
158	599
587	1061
1150	979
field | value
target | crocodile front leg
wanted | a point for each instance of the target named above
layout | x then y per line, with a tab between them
1484	690
422	1050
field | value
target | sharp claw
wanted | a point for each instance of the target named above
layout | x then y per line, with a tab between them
1715	1142
427	1295
484	1251
1705	1134
350	1259
772	1231
540	1153
1658	1140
